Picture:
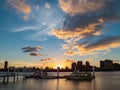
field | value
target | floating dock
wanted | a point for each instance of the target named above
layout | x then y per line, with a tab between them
46	77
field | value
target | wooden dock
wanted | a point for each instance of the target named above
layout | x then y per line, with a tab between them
46	77
13	75
26	75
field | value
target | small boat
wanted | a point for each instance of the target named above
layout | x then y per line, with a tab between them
76	75
39	74
45	75
42	75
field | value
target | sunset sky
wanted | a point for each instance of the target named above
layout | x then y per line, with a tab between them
57	32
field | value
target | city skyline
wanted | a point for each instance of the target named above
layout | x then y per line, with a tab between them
58	32
105	65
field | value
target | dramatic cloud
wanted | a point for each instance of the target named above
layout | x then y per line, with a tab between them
20	5
106	43
81	6
31	49
35	54
46	59
76	34
85	22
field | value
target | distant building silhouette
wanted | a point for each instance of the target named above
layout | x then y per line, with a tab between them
6	65
87	64
102	64
106	64
79	65
66	68
47	68
116	65
73	66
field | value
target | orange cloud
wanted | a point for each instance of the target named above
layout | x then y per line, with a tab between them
84	22
80	6
20	5
94	48
70	53
77	33
73	36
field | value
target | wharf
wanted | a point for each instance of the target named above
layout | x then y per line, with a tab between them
46	77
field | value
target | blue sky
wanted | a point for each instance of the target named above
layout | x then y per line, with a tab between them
65	31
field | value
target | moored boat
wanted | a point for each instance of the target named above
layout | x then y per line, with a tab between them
76	75
80	76
42	75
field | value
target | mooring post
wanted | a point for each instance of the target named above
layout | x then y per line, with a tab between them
3	79
24	72
17	74
93	71
30	73
8	75
14	78
58	68
7	78
14	74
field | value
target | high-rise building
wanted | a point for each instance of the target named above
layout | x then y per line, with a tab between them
73	66
79	65
87	64
102	64
106	64
6	65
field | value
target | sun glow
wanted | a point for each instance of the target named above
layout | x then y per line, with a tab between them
60	66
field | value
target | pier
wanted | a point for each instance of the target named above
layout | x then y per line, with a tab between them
13	75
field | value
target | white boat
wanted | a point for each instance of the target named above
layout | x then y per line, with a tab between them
76	75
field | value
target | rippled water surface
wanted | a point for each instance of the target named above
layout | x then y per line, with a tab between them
103	81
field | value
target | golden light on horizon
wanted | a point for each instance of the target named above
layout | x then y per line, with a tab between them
60	66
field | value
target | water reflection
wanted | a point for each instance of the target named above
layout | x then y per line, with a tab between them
94	84
103	81
57	88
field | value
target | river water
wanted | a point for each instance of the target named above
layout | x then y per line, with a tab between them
103	81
